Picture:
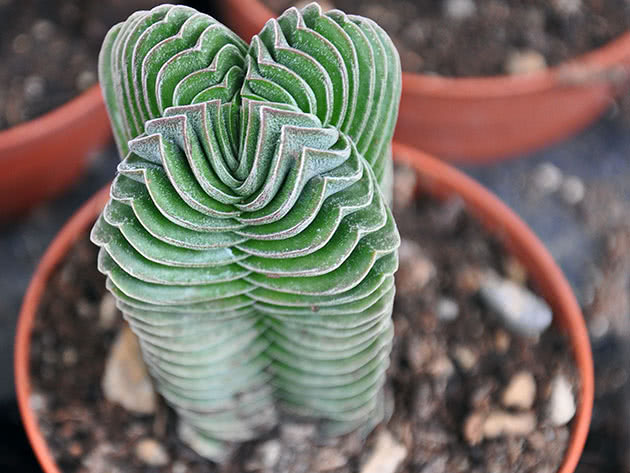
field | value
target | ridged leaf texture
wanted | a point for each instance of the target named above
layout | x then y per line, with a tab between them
248	240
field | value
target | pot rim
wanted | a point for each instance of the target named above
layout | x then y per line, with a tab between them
594	62
437	176
50	123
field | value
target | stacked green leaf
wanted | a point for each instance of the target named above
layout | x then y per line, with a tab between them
247	240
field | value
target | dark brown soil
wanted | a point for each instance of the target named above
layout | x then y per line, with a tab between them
49	51
485	37
442	371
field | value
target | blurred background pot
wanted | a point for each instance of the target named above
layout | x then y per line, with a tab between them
42	157
486	119
434	177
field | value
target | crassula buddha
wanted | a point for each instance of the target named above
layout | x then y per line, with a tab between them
248	238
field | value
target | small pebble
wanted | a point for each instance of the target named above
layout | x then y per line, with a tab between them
502	341
84	308
75	449
85	79
418	352
69	356
21	44
459	9
447	309
525	62
441	367
268	453
537	441
405	186
415	32
547	178
473	428
151	452
469	279
598	326
517	308
515	270
43	29
465	357
436	465
416	270
297	433
567	7
329	459
34	87
387	455
126	379
481	397
38	402
179	467
572	190
501	423
107	311
520	392
562	402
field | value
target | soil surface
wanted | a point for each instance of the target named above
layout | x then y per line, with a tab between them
449	371
488	37
49	51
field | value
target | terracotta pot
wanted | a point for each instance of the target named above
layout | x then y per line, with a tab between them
436	178
42	157
485	119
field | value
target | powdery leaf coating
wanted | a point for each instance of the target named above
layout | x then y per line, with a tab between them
248	239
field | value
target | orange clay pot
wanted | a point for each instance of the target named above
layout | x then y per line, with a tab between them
42	157
485	119
434	177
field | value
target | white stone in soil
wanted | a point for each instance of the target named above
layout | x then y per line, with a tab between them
269	453
442	367
473	428
517	307
329	459
561	402
43	29
520	392
525	62
504	424
126	380
416	270
465	357
387	455
436	465
598	326
572	190
405	179
459	9
107	311
567	7
151	452
547	178
447	309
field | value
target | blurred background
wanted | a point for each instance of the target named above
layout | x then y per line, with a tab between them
573	191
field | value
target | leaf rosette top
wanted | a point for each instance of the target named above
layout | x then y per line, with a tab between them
248	240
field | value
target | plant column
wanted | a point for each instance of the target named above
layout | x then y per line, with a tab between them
248	240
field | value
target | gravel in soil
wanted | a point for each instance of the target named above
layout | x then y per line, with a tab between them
469	395
488	37
49	51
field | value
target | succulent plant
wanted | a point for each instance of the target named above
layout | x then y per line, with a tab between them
248	240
